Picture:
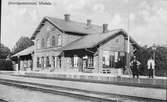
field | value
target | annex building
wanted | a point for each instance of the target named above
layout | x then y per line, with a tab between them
66	45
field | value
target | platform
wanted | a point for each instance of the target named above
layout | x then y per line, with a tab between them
108	84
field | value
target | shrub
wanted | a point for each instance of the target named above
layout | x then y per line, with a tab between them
6	65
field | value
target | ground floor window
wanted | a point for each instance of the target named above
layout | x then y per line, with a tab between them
112	59
48	62
121	60
30	63
108	59
75	61
42	62
59	60
53	61
90	61
25	64
38	62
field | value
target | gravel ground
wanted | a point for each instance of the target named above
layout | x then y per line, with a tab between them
12	94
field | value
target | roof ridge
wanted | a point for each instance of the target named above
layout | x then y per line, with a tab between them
73	21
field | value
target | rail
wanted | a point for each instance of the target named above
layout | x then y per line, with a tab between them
88	95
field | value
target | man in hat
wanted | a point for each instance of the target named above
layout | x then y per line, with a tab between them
134	64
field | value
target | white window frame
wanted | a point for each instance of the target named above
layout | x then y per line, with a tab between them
59	40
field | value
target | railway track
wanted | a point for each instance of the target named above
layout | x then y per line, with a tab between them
82	94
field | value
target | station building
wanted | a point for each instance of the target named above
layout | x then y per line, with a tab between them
70	46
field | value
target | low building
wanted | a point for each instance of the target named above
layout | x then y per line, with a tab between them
23	59
66	45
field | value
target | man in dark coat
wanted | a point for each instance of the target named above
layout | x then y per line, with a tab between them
134	64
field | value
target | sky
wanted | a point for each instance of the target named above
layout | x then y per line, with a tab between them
147	18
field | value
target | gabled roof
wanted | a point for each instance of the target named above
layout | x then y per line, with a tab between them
88	41
71	26
93	40
26	51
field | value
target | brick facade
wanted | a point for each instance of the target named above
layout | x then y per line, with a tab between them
46	32
50	41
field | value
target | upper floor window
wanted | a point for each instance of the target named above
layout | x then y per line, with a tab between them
43	43
59	40
38	44
53	41
48	28
48	42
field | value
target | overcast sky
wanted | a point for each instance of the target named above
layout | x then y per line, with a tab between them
148	18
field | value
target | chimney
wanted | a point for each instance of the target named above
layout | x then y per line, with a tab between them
105	28
67	17
88	22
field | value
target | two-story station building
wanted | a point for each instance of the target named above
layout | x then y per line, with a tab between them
66	45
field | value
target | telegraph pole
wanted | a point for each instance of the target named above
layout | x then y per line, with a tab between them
128	43
0	22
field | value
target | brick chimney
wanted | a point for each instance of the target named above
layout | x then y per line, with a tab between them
67	17
105	28
88	22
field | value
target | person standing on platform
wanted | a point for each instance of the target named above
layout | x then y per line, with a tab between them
134	64
151	67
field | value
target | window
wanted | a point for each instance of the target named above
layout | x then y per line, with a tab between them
108	59
43	43
38	62
90	61
59	62
113	59
53	41
25	63
75	61
59	40
121	60
38	43
48	42
53	60
42	62
48	28
47	62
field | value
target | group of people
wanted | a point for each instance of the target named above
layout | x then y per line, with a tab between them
134	65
